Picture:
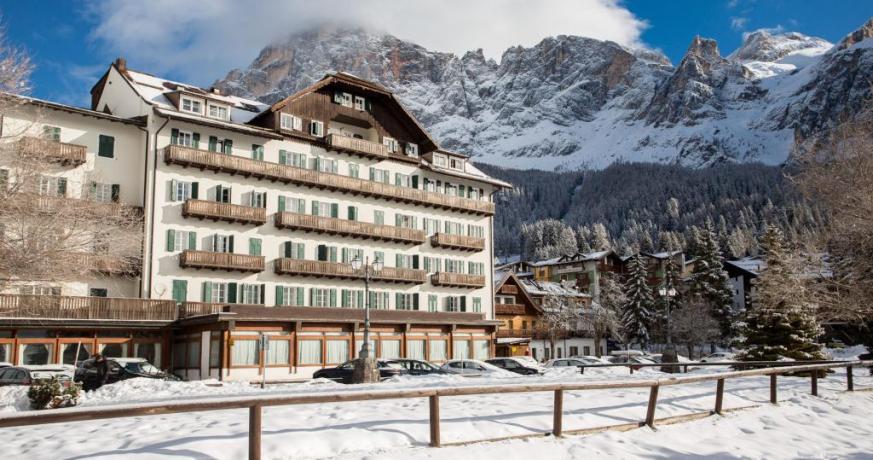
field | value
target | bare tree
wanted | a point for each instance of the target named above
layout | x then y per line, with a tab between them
603	317
51	227
561	315
693	324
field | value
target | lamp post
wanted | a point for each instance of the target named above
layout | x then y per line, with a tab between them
366	370
669	355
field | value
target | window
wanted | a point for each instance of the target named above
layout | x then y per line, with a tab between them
40	290
104	193
259	199
405	221
402	180
222	243
181	191
411	149
337	351
222	194
98	292
106	146
180	291
218	111
349	254
292	204
325	209
316	128
52	186
298	160
476	231
257	152
505	300
379	300
310	352
353	213
456	303
379	255
440	160
406	301
191	105
254	246
380	175
344	99
51	133
322	297
215	292
278	352
290	122
294	250
180	240
406	261
252	294
454	266
360	103
431	226
481	349
390	144
431	303
288	295
438	350
352	298
379	217
432	264
477	305
475	268
244	353
454	228
185	138
354	170
456	163
325	165
461	349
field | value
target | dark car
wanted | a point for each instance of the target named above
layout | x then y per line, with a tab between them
512	365
343	372
417	367
123	369
27	375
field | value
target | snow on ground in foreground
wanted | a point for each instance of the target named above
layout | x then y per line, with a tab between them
836	425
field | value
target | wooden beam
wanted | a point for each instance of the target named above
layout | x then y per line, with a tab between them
434	420
255	433
653	402
719	396
813	376
850	380
773	399
557	427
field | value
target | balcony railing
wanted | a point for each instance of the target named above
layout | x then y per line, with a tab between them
465	243
54	151
517	333
317	268
457	280
224	211
373	149
230	164
508	309
86	308
508	289
221	261
331	226
110	265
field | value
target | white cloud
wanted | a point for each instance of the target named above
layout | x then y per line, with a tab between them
202	40
739	23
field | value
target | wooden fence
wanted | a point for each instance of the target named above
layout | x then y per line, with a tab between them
255	404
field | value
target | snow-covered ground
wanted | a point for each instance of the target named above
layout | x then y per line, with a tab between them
834	425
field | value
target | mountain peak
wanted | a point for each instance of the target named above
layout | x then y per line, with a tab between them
765	46
703	48
863	33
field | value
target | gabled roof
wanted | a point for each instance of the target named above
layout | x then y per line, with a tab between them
544	288
506	276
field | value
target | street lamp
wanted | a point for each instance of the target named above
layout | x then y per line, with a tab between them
669	355
365	366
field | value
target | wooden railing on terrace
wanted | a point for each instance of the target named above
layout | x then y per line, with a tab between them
457	280
230	164
221	261
365	147
110	265
82	308
189	309
255	404
331	226
299	267
224	211
54	151
517	333
508	289
465	243
508	309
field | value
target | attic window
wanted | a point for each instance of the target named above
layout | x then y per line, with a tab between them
290	122
440	160
390	144
316	128
218	111
456	163
411	149
191	105
360	104
341	98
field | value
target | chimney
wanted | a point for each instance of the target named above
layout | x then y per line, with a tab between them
215	90
121	64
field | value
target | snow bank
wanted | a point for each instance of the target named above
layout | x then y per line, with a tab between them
14	399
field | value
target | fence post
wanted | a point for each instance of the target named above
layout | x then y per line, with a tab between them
653	401
850	379
557	426
719	395
814	381
772	388
255	433
434	421
631	369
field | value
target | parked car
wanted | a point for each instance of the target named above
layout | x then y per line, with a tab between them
631	359
470	367
343	372
528	361
513	365
417	367
27	375
679	358
581	361
123	369
718	357
5	364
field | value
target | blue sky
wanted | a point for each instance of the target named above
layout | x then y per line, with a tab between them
73	41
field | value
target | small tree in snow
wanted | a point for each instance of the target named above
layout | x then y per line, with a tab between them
780	322
693	324
603	318
710	282
637	311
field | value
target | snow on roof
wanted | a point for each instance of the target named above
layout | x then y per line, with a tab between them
578	257
663	254
500	276
752	265
155	90
541	263
535	287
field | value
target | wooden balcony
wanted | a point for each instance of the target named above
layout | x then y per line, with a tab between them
464	243
331	226
233	165
516	333
85	308
359	146
457	280
224	211
54	151
110	265
508	289
316	268
221	261
508	309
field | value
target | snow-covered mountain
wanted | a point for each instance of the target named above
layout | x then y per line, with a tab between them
572	102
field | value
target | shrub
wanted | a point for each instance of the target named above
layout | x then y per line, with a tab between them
49	394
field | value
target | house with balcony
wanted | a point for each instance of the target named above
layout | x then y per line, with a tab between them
252	215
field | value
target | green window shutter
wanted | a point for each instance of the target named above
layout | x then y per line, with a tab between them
301	206
171	240
300	251
334	210
415	301
360	299
299	296
254	246
314	208
194	188
461	191
415	261
333	253
344	299
396	220
372	173
379	255
283	157
281	204
397	179
213	144
231	292
257	152
353	213
345	255
106	147
287	247
62	186
228	146
372	300
192	241
397	300
463	303
195	140
415	181
174	136
379	217
322	252
180	291
333	297
311	297
207	291
280	300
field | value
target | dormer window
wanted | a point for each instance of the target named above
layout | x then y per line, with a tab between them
316	128
440	160
390	144
220	112
456	163
191	105
360	104
343	99
290	122
411	149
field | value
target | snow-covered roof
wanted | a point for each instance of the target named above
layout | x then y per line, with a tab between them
535	287
499	277
470	172
663	254
577	257
753	265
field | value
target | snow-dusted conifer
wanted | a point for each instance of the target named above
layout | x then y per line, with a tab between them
637	311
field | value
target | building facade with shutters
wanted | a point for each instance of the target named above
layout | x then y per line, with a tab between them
253	213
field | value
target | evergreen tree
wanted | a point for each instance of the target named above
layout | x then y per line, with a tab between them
711	283
636	314
780	322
